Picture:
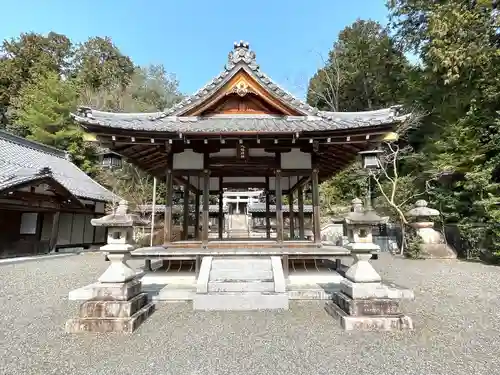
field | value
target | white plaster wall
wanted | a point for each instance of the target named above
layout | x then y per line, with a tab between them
296	159
188	160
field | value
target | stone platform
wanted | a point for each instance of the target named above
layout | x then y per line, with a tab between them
241	283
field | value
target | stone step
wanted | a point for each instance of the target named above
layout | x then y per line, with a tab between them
173	292
240	275
240	301
257	286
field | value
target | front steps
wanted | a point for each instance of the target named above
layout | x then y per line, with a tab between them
241	284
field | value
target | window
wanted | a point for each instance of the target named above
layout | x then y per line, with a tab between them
28	223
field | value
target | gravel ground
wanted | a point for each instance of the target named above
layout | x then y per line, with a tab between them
456	314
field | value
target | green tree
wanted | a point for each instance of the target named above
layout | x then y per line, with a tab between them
42	113
99	64
457	42
365	70
26	57
150	89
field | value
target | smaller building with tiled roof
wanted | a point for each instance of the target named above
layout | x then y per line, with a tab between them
46	201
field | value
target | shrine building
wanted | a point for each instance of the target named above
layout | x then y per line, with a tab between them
240	131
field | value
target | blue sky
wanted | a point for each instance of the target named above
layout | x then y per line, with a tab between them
192	38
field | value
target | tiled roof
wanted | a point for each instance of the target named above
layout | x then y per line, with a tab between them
261	207
159	208
21	161
241	58
238	123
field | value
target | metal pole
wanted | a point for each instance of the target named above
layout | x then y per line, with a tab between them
153	208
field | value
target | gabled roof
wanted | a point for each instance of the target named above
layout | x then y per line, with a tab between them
23	161
240	59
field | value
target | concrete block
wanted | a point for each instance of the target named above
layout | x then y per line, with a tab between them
204	275
278	275
368	323
107	291
366	307
103	325
374	290
173	293
113	309
240	302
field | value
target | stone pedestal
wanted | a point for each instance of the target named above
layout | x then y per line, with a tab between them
369	307
116	307
116	303
364	302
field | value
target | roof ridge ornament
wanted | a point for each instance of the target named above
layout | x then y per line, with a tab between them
241	53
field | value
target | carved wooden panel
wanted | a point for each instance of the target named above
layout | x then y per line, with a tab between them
234	104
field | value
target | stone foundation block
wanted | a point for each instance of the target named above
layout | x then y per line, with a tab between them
113	309
374	290
366	307
368	323
108	291
103	325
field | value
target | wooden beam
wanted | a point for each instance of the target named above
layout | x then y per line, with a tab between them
197	216
279	212
301	182
54	230
167	225
185	212
206	188
300	199
291	216
316	213
268	219
221	213
181	181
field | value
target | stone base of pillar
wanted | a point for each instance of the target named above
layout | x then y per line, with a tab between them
369	307
114	307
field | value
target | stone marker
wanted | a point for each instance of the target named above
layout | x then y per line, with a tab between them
433	242
117	303
363	302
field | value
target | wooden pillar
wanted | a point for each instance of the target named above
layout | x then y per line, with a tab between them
185	212
55	230
315	197
206	188
167	226
300	202
268	219
279	212
291	215
221	211
197	215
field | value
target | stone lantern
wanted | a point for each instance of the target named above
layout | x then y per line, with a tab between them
115	303
359	223
364	302
433	242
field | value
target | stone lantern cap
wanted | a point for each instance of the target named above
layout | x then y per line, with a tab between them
421	210
120	218
360	216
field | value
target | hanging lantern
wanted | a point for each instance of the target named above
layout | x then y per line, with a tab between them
111	160
370	159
